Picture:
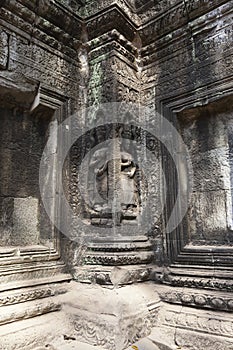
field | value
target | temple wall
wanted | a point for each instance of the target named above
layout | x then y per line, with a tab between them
153	63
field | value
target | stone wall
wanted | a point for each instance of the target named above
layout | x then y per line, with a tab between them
173	59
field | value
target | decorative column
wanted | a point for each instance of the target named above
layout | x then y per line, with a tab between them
114	76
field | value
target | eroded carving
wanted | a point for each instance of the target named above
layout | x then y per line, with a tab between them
4	49
116	185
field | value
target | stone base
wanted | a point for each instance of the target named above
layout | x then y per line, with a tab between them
90	316
112	317
30	315
194	329
46	332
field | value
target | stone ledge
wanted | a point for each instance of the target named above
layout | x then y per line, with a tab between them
32	333
61	344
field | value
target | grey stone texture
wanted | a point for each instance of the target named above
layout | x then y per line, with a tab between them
148	290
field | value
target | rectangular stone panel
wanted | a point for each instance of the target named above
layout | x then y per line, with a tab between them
211	170
208	217
25	221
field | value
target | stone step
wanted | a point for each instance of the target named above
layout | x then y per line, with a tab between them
70	345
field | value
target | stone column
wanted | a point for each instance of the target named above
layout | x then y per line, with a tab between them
114	76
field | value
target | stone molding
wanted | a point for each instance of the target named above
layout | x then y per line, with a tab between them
10	314
215	300
218	324
56	25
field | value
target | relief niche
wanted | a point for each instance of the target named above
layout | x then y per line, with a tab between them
115	184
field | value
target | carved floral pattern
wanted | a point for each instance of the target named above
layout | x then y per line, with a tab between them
193	299
26	296
102	333
211	324
197	282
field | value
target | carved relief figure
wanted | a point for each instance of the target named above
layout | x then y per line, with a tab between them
115	185
129	193
99	187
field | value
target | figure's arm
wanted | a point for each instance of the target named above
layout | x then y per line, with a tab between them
101	170
95	160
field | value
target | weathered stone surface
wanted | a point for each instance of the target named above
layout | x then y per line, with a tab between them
145	344
175	58
116	324
32	333
25	221
4	47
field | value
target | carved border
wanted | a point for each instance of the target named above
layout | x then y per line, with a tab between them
203	299
198	321
26	296
106	334
177	16
37	309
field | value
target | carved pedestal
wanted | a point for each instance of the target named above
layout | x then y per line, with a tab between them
117	262
112	318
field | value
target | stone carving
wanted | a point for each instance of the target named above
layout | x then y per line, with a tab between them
4	49
204	300
115	184
123	194
169	55
32	294
103	335
104	275
196	342
197	282
112	259
109	336
214	324
29	311
178	14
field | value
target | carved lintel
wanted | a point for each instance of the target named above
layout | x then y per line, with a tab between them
46	101
17	90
